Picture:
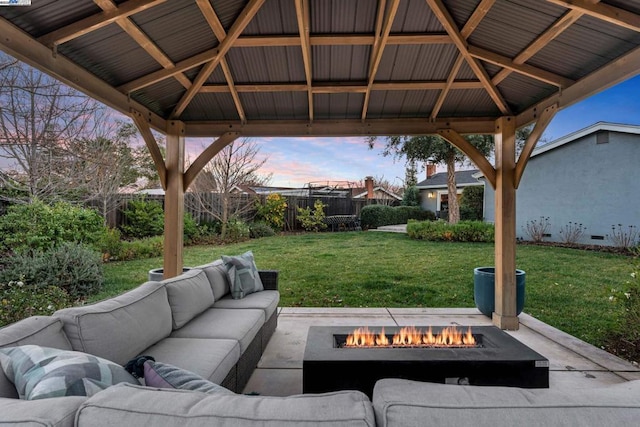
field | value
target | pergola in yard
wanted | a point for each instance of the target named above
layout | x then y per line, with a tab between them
238	68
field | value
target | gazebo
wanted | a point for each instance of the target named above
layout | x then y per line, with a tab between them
236	68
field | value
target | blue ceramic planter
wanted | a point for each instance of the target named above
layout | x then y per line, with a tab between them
484	289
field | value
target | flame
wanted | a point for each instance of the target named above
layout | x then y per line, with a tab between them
410	336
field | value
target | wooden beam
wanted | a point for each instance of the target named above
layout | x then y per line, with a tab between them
218	30
337	87
174	201
540	42
541	124
152	145
342	40
615	72
206	156
448	86
144	41
20	45
504	315
304	28
378	50
97	21
377	127
606	12
472	152
445	18
524	69
237	28
476	17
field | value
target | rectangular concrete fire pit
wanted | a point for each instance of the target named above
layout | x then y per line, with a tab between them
498	359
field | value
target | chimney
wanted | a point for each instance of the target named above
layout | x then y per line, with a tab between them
368	183
431	170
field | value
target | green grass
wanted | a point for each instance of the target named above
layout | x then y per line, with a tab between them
566	288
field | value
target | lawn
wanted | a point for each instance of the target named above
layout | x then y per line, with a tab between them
566	288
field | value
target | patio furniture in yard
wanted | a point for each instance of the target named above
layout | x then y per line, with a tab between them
342	222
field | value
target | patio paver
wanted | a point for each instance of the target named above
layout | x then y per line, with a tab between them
573	363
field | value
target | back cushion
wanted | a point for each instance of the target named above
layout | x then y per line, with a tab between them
189	295
217	274
119	328
38	330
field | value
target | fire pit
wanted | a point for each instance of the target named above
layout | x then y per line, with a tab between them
348	358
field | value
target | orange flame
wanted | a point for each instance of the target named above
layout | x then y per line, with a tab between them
410	336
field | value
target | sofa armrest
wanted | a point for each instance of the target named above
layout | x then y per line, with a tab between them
269	279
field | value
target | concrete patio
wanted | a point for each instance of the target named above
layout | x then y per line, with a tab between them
574	364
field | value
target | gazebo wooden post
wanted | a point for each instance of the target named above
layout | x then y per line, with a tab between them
174	199
504	315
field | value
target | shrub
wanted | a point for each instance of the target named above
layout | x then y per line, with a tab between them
190	230
624	238
272	211
260	229
571	232
143	218
313	221
374	216
537	230
626	341
149	247
463	231
411	196
237	231
19	301
472	203
38	226
73	267
111	245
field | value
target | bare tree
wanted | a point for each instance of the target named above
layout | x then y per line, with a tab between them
236	165
39	120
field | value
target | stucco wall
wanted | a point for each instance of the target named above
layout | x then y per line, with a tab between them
597	185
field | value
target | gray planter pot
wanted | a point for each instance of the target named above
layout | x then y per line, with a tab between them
484	289
156	274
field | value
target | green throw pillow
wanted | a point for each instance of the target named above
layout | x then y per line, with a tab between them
42	372
243	275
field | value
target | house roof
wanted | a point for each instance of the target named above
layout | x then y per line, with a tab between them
363	194
596	127
320	67
439	180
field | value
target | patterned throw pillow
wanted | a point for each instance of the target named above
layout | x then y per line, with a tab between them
42	372
163	375
244	278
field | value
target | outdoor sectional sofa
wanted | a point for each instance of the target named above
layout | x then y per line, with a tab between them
191	322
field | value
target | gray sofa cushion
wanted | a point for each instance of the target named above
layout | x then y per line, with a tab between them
240	325
58	412
212	359
411	403
217	274
40	330
265	300
119	328
189	295
135	405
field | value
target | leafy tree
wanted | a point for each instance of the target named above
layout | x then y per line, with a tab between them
472	203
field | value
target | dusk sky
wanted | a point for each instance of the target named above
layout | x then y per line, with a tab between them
295	162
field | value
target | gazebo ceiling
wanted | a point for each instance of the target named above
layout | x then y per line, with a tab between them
329	67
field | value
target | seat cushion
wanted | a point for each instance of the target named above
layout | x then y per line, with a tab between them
189	295
409	403
265	300
224	323
38	330
217	274
135	405
58	412
119	328
212	359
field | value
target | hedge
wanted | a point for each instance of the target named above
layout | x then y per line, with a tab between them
374	216
464	231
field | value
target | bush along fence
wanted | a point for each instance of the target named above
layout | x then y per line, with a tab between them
374	216
441	231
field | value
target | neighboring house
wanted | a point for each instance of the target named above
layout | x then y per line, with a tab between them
434	195
590	177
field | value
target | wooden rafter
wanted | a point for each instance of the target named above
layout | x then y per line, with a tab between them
524	69
143	40
476	17
97	21
236	29
378	49
304	28
218	30
334	87
541	124
342	40
448	86
206	156
445	18
472	152
603	11
540	42
152	146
